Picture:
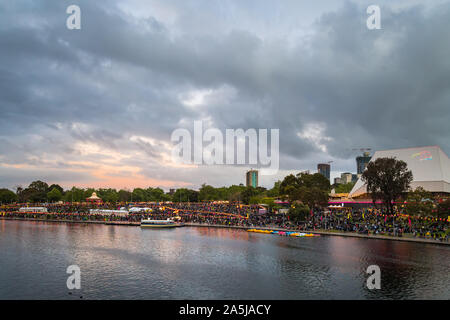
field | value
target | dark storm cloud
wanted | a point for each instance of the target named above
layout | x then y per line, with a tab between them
122	79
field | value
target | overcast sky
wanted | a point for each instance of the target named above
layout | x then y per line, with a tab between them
97	106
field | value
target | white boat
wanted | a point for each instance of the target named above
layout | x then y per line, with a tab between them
147	223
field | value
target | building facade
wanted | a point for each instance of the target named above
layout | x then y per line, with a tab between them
324	169
361	162
252	178
346	177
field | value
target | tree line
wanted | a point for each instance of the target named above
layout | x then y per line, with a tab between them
41	192
292	187
387	179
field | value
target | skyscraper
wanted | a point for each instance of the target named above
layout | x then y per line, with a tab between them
362	161
252	178
324	169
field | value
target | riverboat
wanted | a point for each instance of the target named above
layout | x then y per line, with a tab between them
147	223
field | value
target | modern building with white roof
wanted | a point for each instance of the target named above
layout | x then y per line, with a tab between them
430	167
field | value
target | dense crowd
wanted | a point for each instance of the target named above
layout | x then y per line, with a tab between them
377	221
363	221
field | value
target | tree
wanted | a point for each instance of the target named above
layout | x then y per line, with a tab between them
7	196
311	189
255	200
248	193
139	195
185	195
57	186
289	182
207	192
344	188
387	179
234	193
123	195
443	209
315	180
54	195
108	195
314	197
419	202
77	195
275	191
299	212
36	192
157	194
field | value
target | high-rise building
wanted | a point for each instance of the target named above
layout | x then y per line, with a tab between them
324	169
346	177
362	161
252	178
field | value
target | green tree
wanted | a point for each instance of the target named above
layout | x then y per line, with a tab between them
275	191
255	200
443	209
123	195
157	194
419	202
36	192
54	195
234	193
208	192
344	188
248	193
311	189
315	180
185	195
299	212
387	179
108	195
165	197
289	183
76	195
7	196
57	186
314	197
139	195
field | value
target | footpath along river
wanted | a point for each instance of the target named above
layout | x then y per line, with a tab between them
119	262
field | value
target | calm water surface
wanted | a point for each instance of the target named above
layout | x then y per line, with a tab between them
121	262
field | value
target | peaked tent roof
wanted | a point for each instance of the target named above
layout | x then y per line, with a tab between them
94	196
430	167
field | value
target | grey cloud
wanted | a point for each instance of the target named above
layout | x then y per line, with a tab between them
121	76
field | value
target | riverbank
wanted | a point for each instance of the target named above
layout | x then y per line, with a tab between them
328	233
115	223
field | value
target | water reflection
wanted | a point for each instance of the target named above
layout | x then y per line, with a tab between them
120	262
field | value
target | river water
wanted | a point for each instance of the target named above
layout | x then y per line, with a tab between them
123	262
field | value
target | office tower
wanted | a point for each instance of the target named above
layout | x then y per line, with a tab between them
324	169
252	178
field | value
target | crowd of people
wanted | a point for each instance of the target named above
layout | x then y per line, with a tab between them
363	221
378	222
